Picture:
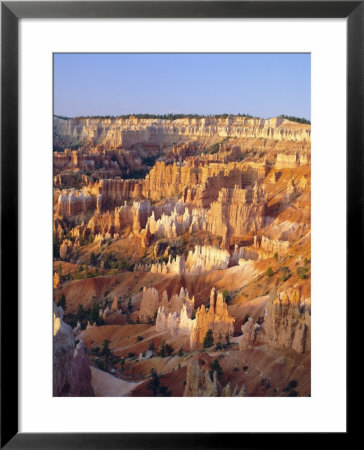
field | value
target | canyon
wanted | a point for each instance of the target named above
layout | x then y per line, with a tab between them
182	256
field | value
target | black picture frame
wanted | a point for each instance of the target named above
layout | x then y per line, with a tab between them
11	12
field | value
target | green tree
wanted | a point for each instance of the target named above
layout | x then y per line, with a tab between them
276	256
162	350
169	349
105	349
215	367
154	383
302	272
151	346
94	313
80	312
209	339
93	259
129	306
62	301
180	352
269	272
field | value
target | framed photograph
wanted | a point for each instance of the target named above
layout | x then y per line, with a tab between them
181	190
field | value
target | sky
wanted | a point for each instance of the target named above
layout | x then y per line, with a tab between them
264	85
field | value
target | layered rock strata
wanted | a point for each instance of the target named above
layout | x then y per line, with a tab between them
199	383
237	212
117	132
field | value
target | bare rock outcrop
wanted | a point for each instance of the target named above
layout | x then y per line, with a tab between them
237	212
205	258
81	374
287	324
152	304
149	304
216	318
287	321
67	248
199	383
119	131
253	334
176	265
268	247
63	351
175	316
134	216
71	368
72	202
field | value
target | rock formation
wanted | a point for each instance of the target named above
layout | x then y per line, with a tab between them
177	266
286	324
151	304
268	247
72	202
237	212
63	351
206	258
117	132
284	161
81	374
287	321
66	248
216	318
71	368
200	384
134	216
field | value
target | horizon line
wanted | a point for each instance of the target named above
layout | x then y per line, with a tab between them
176	116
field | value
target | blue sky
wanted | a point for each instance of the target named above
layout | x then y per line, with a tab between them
264	85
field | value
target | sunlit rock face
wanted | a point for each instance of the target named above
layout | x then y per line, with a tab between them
211	234
152	303
206	258
216	318
287	322
117	132
237	212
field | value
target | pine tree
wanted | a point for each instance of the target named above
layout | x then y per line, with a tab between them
162	350
94	313
209	339
62	301
154	382
215	367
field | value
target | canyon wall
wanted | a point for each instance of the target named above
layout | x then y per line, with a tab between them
237	212
117	132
